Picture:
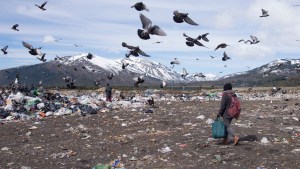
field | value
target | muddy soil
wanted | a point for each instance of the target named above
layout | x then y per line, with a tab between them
173	136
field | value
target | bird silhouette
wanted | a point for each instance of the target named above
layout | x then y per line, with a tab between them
183	17
138	80
253	40
97	83
203	37
184	73
191	41
149	29
264	13
124	65
134	50
163	84
57	58
212	57
201	75
139	6
42	58
15	27
110	76
42	6
89	56
225	57
77	45
222	45
33	51
4	49
158	42
173	62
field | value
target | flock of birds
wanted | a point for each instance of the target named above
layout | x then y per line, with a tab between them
148	29
178	17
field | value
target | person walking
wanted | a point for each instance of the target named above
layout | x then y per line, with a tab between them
226	117
108	92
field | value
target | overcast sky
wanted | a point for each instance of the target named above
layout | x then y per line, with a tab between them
100	26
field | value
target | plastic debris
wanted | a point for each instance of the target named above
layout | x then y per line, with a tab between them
165	150
264	140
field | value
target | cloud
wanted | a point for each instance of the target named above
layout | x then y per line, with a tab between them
49	39
223	21
101	26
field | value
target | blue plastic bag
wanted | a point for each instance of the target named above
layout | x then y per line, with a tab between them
218	128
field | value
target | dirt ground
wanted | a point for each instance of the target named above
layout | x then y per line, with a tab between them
141	139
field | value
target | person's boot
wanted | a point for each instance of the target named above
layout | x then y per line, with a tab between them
235	140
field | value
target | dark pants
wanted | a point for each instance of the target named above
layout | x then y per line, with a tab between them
228	130
108	98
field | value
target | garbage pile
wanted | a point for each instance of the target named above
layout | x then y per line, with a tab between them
23	102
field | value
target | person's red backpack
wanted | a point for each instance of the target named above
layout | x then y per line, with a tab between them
235	107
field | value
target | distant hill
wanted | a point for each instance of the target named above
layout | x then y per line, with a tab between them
283	72
86	71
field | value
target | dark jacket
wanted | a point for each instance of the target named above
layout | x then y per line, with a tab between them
108	91
225	104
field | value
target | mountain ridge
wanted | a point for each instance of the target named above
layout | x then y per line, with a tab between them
86	71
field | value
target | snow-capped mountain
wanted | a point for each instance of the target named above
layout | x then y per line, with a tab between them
274	72
86	71
136	65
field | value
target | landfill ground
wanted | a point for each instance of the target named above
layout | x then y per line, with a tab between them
176	135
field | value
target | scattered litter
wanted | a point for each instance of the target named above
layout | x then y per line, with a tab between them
295	151
4	149
200	117
33	128
264	140
165	150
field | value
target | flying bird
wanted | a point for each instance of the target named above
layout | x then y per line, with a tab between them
253	40
15	27
191	41
264	13
110	76
77	45
222	45
33	51
163	84
42	58
158	42
183	17
203	37
134	50
97	83
184	73
201	75
42	6
124	65
4	49
140	6
173	62
58	58
67	79
149	29
212	56
225	57
89	56
138	80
